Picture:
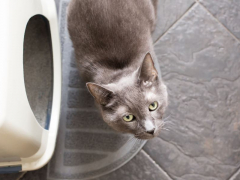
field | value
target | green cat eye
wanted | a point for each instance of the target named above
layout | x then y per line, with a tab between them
153	106
128	118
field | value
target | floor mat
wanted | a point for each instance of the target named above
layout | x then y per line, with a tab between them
86	146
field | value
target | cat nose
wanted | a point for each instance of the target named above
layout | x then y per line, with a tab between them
151	131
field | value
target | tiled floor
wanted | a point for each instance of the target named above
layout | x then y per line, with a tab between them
198	47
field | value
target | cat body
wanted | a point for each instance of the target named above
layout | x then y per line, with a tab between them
114	52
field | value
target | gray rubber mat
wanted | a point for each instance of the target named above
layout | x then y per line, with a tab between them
86	146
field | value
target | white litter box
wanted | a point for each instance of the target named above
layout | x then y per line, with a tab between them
24	144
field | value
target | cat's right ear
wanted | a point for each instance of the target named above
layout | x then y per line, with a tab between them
147	72
102	95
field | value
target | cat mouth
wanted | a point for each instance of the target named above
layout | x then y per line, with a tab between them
145	135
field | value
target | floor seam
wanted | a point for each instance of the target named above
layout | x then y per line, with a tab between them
157	165
21	175
219	22
233	175
180	18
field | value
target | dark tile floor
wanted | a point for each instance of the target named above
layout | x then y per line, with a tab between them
198	49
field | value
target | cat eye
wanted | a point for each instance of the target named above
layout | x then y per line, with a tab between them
128	118
153	106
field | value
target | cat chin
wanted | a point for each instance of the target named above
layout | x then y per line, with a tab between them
145	136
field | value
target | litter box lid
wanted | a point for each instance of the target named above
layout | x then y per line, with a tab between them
23	142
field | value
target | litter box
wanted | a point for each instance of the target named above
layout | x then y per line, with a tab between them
25	144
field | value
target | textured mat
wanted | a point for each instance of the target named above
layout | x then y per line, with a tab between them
86	146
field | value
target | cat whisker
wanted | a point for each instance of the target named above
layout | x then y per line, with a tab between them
166	118
165	129
170	124
162	125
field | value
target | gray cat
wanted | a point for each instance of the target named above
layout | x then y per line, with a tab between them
114	53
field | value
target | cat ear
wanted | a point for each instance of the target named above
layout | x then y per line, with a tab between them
101	94
148	72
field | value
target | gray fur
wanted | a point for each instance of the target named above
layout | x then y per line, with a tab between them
112	39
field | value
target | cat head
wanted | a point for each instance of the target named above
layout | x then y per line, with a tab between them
136	103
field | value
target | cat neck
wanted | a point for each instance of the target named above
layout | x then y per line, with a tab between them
108	75
123	79
113	76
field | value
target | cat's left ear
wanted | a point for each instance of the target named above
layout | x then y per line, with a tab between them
148	73
102	95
